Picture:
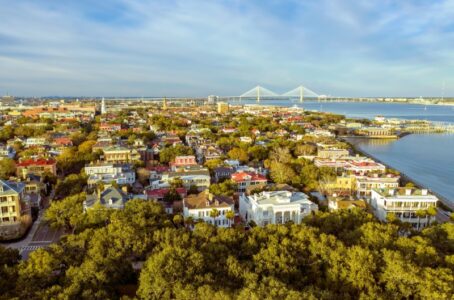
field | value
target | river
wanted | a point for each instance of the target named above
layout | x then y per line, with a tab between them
428	159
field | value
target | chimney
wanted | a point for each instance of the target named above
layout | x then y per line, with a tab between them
408	192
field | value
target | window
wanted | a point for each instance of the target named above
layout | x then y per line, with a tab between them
4	209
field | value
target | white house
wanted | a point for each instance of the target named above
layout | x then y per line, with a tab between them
122	174
403	203
276	207
201	205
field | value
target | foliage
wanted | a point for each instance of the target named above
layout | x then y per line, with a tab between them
7	168
168	154
225	188
340	255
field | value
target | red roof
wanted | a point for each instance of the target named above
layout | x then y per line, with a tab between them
158	169
160	193
248	176
63	141
35	162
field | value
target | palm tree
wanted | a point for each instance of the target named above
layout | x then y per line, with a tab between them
420	214
214	213
230	215
431	212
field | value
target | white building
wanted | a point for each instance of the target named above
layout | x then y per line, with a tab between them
122	174
35	141
201	205
403	203
277	207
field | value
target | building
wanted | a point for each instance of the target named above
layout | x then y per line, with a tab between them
111	197
376	132
35	141
201	205
183	161
122	174
198	178
365	184
246	179
15	212
7	151
117	154
36	167
223	107
332	153
341	184
335	203
364	167
404	204
276	207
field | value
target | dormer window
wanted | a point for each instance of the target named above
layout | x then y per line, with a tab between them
207	203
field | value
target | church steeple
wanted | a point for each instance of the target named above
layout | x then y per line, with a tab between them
103	106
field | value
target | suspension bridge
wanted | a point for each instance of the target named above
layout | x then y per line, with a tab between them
260	93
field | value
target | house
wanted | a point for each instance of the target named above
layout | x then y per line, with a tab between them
246	179
366	183
109	127
201	205
198	178
111	197
7	151
122	174
158	194
344	184
332	153
183	161
36	167
364	167
35	141
276	207
336	202
222	173
119	154
404	203
15	211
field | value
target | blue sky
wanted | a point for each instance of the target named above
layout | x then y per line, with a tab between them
197	48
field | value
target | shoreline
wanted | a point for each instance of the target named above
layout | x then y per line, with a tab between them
404	177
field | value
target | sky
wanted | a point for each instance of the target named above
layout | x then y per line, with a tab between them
197	48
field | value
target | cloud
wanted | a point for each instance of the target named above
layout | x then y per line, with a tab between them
196	48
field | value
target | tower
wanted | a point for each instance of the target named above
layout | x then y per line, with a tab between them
103	106
258	93
301	94
164	104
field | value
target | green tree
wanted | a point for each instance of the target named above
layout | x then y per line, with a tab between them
7	168
214	213
65	213
239	154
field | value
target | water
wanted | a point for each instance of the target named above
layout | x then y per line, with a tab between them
426	158
437	113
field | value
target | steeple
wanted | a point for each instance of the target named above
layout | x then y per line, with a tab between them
164	104
103	106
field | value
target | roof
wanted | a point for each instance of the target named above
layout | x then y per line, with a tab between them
10	187
159	193
118	198
205	200
280	198
248	176
34	162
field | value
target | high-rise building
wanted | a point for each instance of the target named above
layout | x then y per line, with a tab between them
223	107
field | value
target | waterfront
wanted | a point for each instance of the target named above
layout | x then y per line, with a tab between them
428	159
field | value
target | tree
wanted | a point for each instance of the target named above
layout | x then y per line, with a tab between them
420	214
281	173
230	215
281	155
431	212
7	168
65	213
214	213
225	188
168	154
238	154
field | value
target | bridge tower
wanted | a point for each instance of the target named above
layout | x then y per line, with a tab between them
258	94
301	94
